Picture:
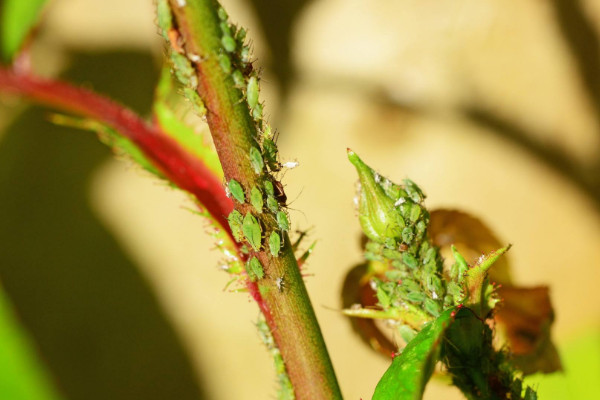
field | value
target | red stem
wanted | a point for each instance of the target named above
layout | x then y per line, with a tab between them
178	165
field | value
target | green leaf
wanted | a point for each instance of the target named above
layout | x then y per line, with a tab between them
22	376
167	100
405	379
17	19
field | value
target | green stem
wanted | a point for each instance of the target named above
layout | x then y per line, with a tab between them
287	308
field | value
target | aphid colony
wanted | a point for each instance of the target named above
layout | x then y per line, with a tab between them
395	221
235	61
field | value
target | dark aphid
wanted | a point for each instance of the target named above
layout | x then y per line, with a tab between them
279	193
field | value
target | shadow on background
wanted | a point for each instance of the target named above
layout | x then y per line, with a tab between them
94	319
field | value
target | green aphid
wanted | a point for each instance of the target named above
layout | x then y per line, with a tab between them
409	260
255	269
434	284
282	221
222	14
256	199
186	74
272	204
416	297
407	235
235	220
225	28
240	35
391	190
374	247
415	213
196	101
370	256
256	160
390	243
391	254
429	255
432	307
394	275
252	231
269	189
383	298
245	55
237	191
252	92
238	78
448	301
411	285
421	227
274	243
225	63
257	112
270	154
413	191
228	43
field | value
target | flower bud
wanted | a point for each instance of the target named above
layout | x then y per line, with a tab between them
378	216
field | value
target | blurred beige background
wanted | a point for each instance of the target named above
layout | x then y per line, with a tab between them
411	86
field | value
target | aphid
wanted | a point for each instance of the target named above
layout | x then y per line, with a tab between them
252	92
280	282
236	190
222	14
416	297
256	160
268	133
269	190
254	269
391	254
290	164
252	231
245	56
195	58
272	204
282	221
225	63
383	298
432	307
274	243
175	39
413	191
415	213
270	154
409	260
256	199
235	220
434	284
228	43
279	193
257	112
429	255
411	285
238	78
407	235
225	28
240	35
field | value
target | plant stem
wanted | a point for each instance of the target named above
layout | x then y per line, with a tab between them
288	310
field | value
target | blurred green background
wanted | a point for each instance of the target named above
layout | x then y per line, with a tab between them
110	286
